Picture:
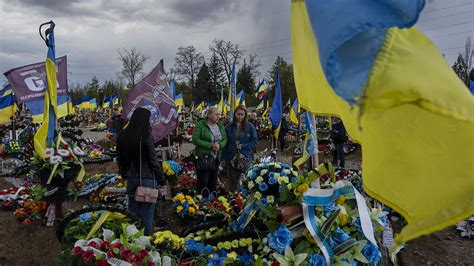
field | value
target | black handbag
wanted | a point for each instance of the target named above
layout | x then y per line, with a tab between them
205	162
239	162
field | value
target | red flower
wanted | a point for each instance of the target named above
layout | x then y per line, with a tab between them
105	245
66	146
76	251
87	256
150	264
102	262
275	263
136	258
117	245
93	244
126	254
110	253
144	253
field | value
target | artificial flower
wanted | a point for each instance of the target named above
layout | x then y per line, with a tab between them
280	239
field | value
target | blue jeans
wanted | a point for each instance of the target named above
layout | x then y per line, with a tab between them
145	211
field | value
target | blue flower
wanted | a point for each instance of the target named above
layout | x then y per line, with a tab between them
371	253
330	208
215	260
244	192
208	250
280	239
265	166
294	180
341	236
272	180
253	176
317	260
85	217
264	201
271	174
246	258
282	173
263	186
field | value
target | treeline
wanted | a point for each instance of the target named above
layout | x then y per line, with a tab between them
200	78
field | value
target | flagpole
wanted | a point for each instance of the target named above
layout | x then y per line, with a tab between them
314	157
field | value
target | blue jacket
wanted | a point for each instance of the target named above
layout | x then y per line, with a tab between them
248	139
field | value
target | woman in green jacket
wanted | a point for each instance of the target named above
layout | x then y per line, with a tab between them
210	138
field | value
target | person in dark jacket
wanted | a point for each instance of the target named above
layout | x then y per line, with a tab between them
241	137
283	131
339	137
136	158
210	138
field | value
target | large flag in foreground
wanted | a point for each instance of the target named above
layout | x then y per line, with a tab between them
153	93
45	135
398	97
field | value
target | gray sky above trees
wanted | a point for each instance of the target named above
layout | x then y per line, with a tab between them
91	31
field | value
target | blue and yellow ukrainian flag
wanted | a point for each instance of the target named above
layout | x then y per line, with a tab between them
45	135
261	91
36	108
6	90
7	105
365	62
106	103
261	105
179	101
277	107
295	110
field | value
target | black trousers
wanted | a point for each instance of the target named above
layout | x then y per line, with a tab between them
207	180
338	155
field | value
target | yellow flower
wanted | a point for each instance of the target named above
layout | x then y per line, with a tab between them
232	255
192	210
270	199
220	245
179	209
235	243
227	245
302	188
242	242
340	200
343	216
257	195
264	171
251	184
259	180
182	201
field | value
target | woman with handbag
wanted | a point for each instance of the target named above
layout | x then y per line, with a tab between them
138	165
238	153
210	138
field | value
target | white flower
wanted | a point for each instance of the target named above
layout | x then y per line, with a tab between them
77	151
132	230
142	241
63	153
49	152
55	159
107	234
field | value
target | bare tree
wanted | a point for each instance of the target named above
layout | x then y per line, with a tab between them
188	61
463	64
133	61
228	53
254	64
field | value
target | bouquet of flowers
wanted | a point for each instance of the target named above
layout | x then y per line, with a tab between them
130	246
187	183
13	146
167	241
263	182
32	210
229	205
185	205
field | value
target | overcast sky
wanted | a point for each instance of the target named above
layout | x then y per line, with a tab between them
89	32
